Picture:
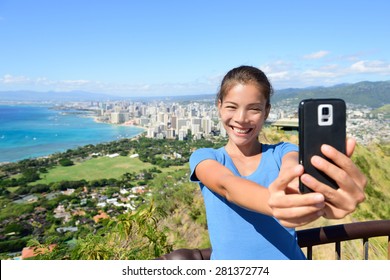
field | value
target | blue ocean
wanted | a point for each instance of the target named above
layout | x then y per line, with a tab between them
30	131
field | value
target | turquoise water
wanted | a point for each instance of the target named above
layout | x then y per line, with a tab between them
30	131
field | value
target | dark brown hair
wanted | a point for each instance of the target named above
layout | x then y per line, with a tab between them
245	75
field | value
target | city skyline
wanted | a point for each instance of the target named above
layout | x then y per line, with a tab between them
155	48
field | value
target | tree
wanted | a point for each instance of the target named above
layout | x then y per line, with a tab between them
136	236
65	162
93	247
30	175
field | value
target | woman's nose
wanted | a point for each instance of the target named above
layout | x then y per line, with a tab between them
240	116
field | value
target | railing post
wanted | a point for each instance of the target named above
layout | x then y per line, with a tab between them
316	236
366	245
310	252
338	250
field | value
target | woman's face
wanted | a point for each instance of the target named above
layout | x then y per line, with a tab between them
243	112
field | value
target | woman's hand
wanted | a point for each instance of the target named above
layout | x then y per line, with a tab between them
291	208
349	178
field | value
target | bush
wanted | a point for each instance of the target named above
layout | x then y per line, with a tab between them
12	245
65	162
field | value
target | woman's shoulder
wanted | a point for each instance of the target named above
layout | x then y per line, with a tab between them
200	154
281	146
207	151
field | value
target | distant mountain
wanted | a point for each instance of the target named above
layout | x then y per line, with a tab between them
372	94
35	96
54	96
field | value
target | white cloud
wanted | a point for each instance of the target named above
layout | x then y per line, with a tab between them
75	82
276	66
278	70
319	74
9	79
374	66
316	55
283	75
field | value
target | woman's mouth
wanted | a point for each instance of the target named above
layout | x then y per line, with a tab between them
241	130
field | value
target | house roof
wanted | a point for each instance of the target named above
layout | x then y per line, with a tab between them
29	252
100	216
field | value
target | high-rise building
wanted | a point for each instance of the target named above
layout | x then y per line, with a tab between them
206	125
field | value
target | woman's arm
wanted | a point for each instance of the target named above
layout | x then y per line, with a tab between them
295	210
240	191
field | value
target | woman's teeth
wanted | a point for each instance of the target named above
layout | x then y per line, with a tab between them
241	131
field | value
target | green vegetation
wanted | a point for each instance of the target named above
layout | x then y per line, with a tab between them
152	208
93	169
65	162
374	161
372	94
385	110
55	197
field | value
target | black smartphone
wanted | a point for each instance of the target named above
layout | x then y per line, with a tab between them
321	121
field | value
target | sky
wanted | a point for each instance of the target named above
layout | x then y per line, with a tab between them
156	47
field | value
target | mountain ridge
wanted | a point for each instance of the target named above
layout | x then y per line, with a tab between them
372	94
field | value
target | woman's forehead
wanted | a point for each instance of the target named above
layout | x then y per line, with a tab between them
245	92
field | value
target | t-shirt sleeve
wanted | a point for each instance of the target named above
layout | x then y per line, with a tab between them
287	147
197	157
282	149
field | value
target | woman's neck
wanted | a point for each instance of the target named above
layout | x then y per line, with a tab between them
245	151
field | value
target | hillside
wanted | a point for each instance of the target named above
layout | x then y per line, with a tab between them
385	110
170	215
372	94
374	160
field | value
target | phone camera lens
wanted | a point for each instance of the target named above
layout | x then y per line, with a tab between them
325	111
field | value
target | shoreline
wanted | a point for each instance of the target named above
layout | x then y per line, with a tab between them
135	137
43	150
96	119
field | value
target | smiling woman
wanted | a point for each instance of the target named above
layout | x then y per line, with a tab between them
243	119
250	188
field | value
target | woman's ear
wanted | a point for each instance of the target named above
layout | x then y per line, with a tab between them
267	110
219	107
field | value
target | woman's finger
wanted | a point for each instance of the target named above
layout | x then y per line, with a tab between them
343	162
282	181
302	217
350	146
281	200
342	202
341	177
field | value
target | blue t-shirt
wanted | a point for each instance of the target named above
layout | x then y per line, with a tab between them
239	233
